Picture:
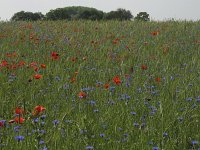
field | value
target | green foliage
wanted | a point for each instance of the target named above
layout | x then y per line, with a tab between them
27	16
57	14
91	15
74	13
119	14
142	16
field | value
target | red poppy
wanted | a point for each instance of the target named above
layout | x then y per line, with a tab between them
21	63
127	47
19	110
158	79
14	54
29	26
39	108
115	42
117	39
116	80
155	33
106	86
43	66
37	76
36	69
73	79
8	55
82	94
144	67
54	55
13	67
19	120
33	64
4	63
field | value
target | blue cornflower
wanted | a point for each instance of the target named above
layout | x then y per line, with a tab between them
143	125
133	113
42	123
89	147
180	119
43	117
41	142
195	142
19	138
102	135
56	122
44	148
68	121
2	122
198	99
17	128
155	148
165	134
96	110
42	131
92	103
136	124
57	78
112	89
189	99
35	120
127	84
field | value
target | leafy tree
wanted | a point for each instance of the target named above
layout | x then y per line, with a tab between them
119	14
91	15
74	13
27	16
57	14
142	16
37	16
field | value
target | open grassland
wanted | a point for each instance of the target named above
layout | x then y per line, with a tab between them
99	85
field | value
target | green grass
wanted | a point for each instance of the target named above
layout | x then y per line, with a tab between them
105	119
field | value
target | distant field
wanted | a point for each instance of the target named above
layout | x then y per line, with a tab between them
100	85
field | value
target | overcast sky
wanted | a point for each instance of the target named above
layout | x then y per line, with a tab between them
158	9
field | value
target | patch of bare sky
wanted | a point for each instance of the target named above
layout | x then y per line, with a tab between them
158	9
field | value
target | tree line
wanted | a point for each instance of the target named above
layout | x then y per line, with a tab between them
79	12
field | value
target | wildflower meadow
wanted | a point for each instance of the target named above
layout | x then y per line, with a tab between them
100	85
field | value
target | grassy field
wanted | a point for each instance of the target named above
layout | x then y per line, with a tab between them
99	85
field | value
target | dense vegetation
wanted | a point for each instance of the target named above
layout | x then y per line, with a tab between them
99	85
74	13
